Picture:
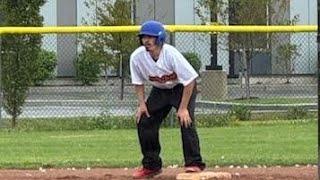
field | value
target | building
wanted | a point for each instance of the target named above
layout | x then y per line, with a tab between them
71	12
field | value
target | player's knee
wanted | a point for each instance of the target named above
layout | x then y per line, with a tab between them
144	122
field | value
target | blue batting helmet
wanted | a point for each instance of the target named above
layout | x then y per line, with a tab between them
153	28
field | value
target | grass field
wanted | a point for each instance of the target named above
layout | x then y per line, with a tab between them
249	143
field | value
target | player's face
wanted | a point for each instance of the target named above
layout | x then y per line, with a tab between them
149	42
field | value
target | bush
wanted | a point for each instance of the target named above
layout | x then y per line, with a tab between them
215	120
241	113
212	120
193	59
297	113
87	67
105	121
45	66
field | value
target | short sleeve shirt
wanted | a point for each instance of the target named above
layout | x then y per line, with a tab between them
169	70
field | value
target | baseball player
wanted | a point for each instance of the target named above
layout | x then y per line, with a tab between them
173	82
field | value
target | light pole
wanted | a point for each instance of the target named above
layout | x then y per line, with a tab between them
1	97
214	42
121	73
318	77
121	76
134	12
154	9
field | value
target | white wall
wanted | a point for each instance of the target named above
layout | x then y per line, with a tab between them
194	42
307	11
49	13
199	42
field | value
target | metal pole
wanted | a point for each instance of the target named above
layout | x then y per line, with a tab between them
309	35
121	77
96	12
214	42
1	97
134	12
154	10
318	78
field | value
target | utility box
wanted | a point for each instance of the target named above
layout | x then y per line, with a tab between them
213	85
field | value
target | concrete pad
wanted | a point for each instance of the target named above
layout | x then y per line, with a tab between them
203	176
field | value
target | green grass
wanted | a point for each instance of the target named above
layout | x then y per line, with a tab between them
250	143
274	100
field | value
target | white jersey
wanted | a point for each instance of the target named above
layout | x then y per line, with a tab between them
169	70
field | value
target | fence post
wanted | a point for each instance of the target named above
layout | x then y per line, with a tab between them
318	79
1	96
121	77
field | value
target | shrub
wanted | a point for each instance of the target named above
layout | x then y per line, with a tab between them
45	66
297	112
241	113
208	120
105	121
87	67
215	120
193	59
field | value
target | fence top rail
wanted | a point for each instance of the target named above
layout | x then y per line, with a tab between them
169	28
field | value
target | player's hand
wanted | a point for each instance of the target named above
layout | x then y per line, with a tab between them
142	109
184	117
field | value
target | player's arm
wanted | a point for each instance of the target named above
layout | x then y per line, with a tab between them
142	108
137	80
140	93
183	113
187	76
186	95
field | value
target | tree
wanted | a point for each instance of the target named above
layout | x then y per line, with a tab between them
286	55
194	60
88	70
287	52
246	12
109	48
44	67
18	53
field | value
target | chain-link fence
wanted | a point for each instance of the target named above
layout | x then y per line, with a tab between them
261	74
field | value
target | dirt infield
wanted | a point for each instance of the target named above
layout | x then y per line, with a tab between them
268	173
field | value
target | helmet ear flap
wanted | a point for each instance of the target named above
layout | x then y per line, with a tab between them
140	40
161	38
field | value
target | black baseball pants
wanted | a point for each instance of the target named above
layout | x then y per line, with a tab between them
159	104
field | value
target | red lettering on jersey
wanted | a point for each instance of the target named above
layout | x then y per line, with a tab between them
164	79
